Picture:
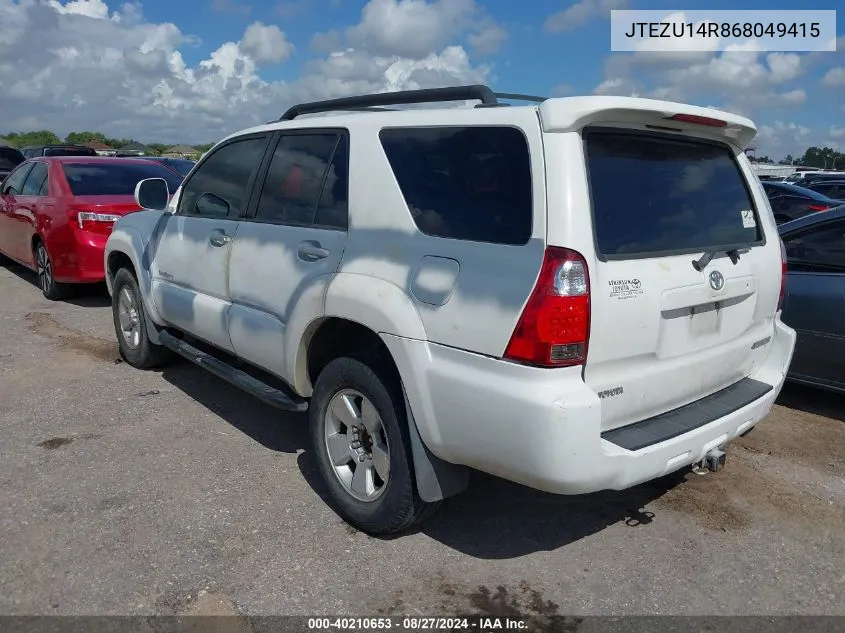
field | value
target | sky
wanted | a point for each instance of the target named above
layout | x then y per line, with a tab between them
193	71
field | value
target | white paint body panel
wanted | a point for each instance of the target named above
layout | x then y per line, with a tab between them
446	309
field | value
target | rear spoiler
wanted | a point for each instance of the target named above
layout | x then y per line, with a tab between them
571	114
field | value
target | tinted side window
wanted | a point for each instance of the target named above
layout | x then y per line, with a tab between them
14	183
295	178
224	178
465	183
35	181
333	209
821	249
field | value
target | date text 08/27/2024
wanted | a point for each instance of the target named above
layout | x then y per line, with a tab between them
479	624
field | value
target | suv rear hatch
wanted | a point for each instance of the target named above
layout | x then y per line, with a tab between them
684	260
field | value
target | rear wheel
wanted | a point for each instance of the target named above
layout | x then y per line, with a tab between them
360	437
50	288
130	324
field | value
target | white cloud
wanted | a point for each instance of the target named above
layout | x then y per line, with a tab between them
836	132
489	38
834	78
266	43
580	13
409	28
127	77
782	138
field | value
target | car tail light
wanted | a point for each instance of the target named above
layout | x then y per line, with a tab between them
817	207
93	221
698	120
783	271
554	327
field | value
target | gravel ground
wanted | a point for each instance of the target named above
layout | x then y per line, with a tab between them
130	492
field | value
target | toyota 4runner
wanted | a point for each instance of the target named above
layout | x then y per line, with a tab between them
577	294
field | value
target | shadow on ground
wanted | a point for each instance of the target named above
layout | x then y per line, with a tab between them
813	400
85	295
492	519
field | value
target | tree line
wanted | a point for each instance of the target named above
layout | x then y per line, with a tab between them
821	157
48	137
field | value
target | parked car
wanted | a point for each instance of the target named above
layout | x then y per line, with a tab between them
56	214
181	166
58	150
815	297
10	157
801	174
790	202
811	179
577	296
830	188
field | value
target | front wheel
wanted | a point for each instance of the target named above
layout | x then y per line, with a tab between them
360	437
130	324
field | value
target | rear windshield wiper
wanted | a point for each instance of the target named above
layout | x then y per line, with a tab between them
701	263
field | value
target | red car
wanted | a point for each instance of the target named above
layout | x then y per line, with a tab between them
57	212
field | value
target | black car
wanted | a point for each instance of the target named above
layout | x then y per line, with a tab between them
181	166
58	150
790	202
815	178
814	304
829	188
10	157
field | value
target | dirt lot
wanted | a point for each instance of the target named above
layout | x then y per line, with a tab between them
170	492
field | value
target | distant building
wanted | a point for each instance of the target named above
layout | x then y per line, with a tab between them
101	148
134	149
182	151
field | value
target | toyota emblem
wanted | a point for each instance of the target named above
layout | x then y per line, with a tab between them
717	280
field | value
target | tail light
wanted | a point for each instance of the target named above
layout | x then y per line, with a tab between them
95	222
554	327
817	207
783	271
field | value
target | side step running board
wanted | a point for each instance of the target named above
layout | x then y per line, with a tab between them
261	390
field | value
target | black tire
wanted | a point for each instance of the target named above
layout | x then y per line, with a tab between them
399	507
50	288
144	354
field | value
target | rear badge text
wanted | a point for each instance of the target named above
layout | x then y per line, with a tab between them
609	393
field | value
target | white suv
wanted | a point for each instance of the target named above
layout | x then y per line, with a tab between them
579	294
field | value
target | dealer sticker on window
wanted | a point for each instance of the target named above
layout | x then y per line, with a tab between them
748	221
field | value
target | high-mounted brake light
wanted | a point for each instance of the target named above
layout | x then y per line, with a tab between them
817	207
698	120
554	327
783	271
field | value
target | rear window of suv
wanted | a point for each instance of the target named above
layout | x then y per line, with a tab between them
654	195
69	151
464	183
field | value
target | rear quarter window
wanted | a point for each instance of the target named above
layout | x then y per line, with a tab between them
658	195
464	183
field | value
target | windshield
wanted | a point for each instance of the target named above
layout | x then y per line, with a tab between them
69	151
9	158
180	165
114	178
659	195
795	190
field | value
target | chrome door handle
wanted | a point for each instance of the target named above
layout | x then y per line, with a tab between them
312	251
219	238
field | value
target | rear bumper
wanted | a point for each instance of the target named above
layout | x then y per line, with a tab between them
542	427
89	266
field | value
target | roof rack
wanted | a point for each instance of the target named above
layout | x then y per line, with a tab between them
520	97
404	97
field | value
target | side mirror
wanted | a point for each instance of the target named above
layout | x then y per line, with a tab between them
152	193
210	205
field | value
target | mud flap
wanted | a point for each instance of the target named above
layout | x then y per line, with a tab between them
436	479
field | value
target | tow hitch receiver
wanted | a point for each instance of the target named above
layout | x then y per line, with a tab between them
714	460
